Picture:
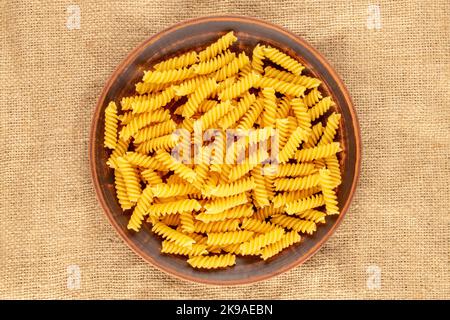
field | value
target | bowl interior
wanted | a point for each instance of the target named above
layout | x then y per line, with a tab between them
196	34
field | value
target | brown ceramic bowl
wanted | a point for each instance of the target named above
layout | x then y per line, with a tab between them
197	33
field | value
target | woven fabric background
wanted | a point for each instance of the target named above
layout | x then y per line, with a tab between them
394	56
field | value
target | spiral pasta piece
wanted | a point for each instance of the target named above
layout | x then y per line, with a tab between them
231	69
313	215
210	117
170	247
142	121
283	126
217	47
180	169
299	225
283	87
313	138
170	234
257	226
254	245
198	96
260	194
140	211
268	211
148	87
330	129
173	190
155	131
284	197
236	113
126	117
318	152
242	211
294	141
301	113
121	191
241	86
312	97
215	63
127	102
304	81
283	60
299	183
172	220
212	262
111	123
177	206
233	188
178	62
332	164
286	241
188	86
217	226
283	107
301	205
131	179
154	102
166	142
270	107
257	58
294	169
167	76
320	108
329	196
248	120
225	203
227	238
143	161
187	222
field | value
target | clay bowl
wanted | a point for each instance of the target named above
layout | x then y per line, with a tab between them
196	34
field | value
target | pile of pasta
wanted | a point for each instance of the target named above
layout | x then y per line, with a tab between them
211	199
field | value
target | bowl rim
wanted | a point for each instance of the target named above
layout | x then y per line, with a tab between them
131	56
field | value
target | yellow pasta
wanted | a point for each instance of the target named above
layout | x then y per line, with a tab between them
217	47
121	191
304	81
198	96
237	112
212	262
142	121
242	211
286	241
131	179
140	211
231	69
111	124
318	152
312	97
330	129
254	245
225	203
230	237
154	131
270	107
257	58
170	247
170	234
283	60
301	205
224	156
241	86
329	196
178	62
177	206
299	183
215	63
283	87
299	225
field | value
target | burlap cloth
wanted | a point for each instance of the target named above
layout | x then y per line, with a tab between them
397	69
